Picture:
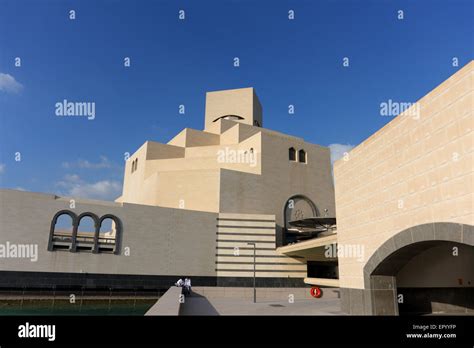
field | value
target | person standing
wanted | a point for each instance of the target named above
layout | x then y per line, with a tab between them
187	286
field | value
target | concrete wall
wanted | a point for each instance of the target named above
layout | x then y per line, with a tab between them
408	187
168	304
198	179
427	267
280	179
411	172
241	102
156	245
235	257
161	241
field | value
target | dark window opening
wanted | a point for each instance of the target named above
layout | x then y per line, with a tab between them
323	269
302	156
62	227
85	232
229	117
292	154
134	165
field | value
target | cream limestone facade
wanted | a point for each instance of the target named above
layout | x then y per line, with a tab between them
232	166
198	205
410	183
189	207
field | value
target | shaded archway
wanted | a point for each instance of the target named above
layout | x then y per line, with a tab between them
61	230
297	207
100	235
292	154
107	237
400	253
302	156
84	241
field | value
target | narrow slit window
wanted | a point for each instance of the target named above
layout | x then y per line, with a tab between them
302	156
292	154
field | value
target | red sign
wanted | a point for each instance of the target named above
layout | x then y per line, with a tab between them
316	292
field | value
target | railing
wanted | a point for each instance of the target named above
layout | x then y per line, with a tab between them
64	240
85	241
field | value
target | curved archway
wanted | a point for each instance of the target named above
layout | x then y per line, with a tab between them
297	207
110	241
62	212
302	156
229	117
415	271
292	154
66	237
86	241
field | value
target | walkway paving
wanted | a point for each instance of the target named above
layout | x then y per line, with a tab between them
198	305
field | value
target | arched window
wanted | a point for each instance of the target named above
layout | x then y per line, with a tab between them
107	237
297	207
229	117
134	164
62	227
292	154
64	224
85	232
302	156
109	234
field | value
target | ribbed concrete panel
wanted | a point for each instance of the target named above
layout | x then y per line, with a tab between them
270	267
247	230
249	258
243	244
245	223
243	237
248	251
234	257
252	217
277	274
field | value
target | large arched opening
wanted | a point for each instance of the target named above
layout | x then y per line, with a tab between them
425	269
297	207
61	230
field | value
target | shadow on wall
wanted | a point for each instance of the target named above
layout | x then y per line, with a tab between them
439	300
424	269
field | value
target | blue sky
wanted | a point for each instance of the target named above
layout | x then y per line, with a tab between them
176	61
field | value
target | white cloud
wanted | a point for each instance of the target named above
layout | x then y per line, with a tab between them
72	178
338	151
85	164
8	84
73	185
2	168
105	189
